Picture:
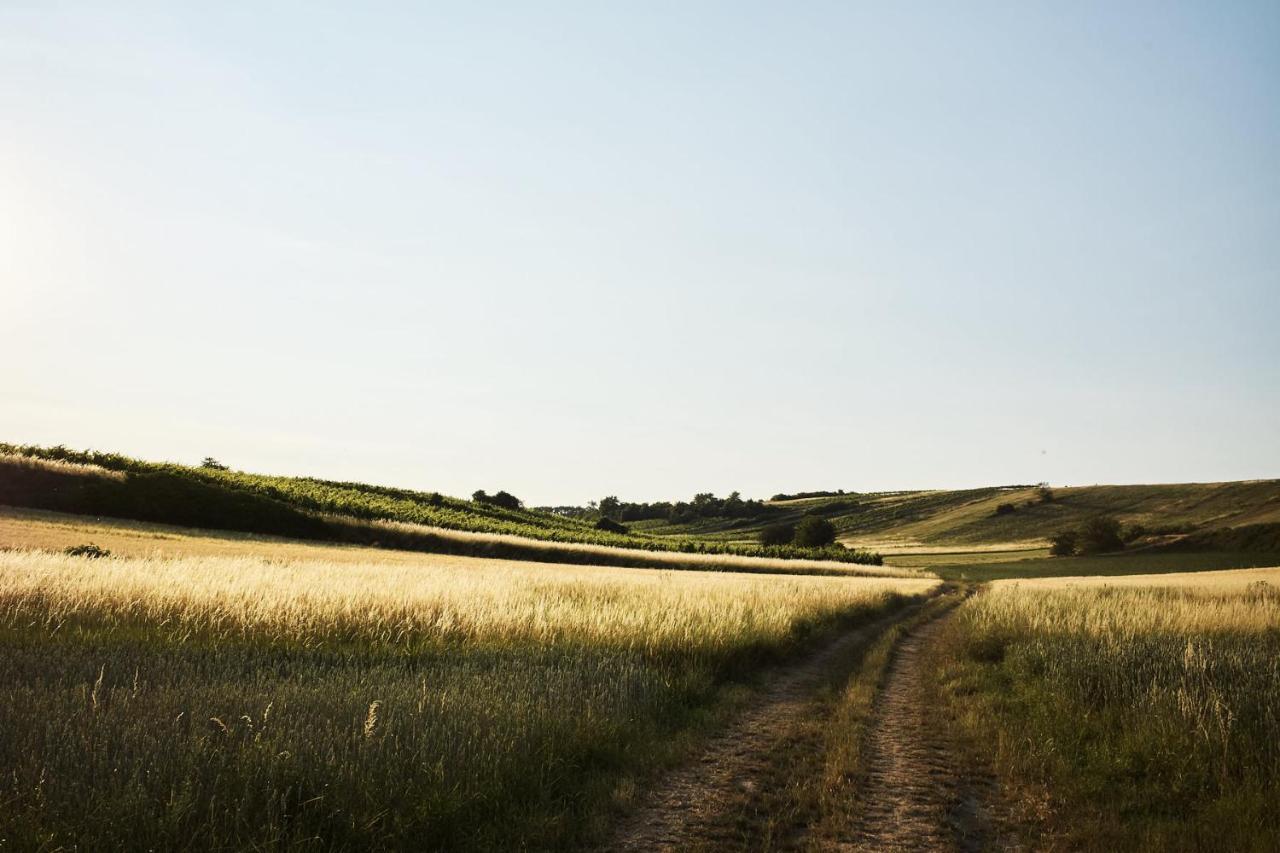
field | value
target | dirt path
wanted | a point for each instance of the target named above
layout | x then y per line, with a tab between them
917	796
686	809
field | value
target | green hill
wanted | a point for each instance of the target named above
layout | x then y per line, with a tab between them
108	484
972	517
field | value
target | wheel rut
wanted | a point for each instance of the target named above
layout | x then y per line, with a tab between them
686	808
917	795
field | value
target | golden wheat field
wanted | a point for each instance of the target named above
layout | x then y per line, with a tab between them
241	702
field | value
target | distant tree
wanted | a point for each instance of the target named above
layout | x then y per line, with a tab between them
1044	493
1005	509
814	531
212	464
506	500
610	507
777	534
1063	543
1100	534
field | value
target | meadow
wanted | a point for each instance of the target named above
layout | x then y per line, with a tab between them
273	702
1132	713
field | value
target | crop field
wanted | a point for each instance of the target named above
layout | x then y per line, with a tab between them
1126	713
273	702
109	484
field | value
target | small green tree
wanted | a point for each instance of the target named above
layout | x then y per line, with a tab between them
1044	493
777	534
212	464
815	532
1063	543
610	507
1100	534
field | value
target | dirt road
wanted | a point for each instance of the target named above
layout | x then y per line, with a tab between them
915	795
687	809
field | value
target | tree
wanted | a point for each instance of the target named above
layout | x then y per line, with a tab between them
815	531
1044	493
610	507
1063	543
506	500
212	464
1100	534
777	534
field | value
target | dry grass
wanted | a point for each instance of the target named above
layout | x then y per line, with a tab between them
1213	582
39	529
416	702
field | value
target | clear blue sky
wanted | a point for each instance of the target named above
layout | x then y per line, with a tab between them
646	249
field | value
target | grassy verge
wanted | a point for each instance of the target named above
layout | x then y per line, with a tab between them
247	703
1128	718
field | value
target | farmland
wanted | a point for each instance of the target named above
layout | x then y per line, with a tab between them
1126	713
108	484
270	702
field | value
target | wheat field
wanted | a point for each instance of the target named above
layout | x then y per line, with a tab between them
214	702
1149	708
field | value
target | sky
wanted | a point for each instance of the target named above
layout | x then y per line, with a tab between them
646	249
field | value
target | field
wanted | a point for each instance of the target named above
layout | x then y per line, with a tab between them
413	702
977	568
1133	713
108	484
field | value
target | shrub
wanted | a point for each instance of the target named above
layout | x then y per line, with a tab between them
608	524
212	464
1005	509
815	532
1100	534
1133	533
777	534
1044	493
1063	543
88	550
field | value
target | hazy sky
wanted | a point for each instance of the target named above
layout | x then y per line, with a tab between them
574	249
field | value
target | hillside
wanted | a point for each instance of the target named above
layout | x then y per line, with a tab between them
969	517
111	485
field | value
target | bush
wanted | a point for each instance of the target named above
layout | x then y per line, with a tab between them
1005	509
1100	534
212	464
608	524
1063	544
777	534
88	550
815	532
1133	532
1044	493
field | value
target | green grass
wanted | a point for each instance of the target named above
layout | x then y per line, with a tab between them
1135	719
1137	563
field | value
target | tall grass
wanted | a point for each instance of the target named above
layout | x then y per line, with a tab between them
242	703
1150	713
